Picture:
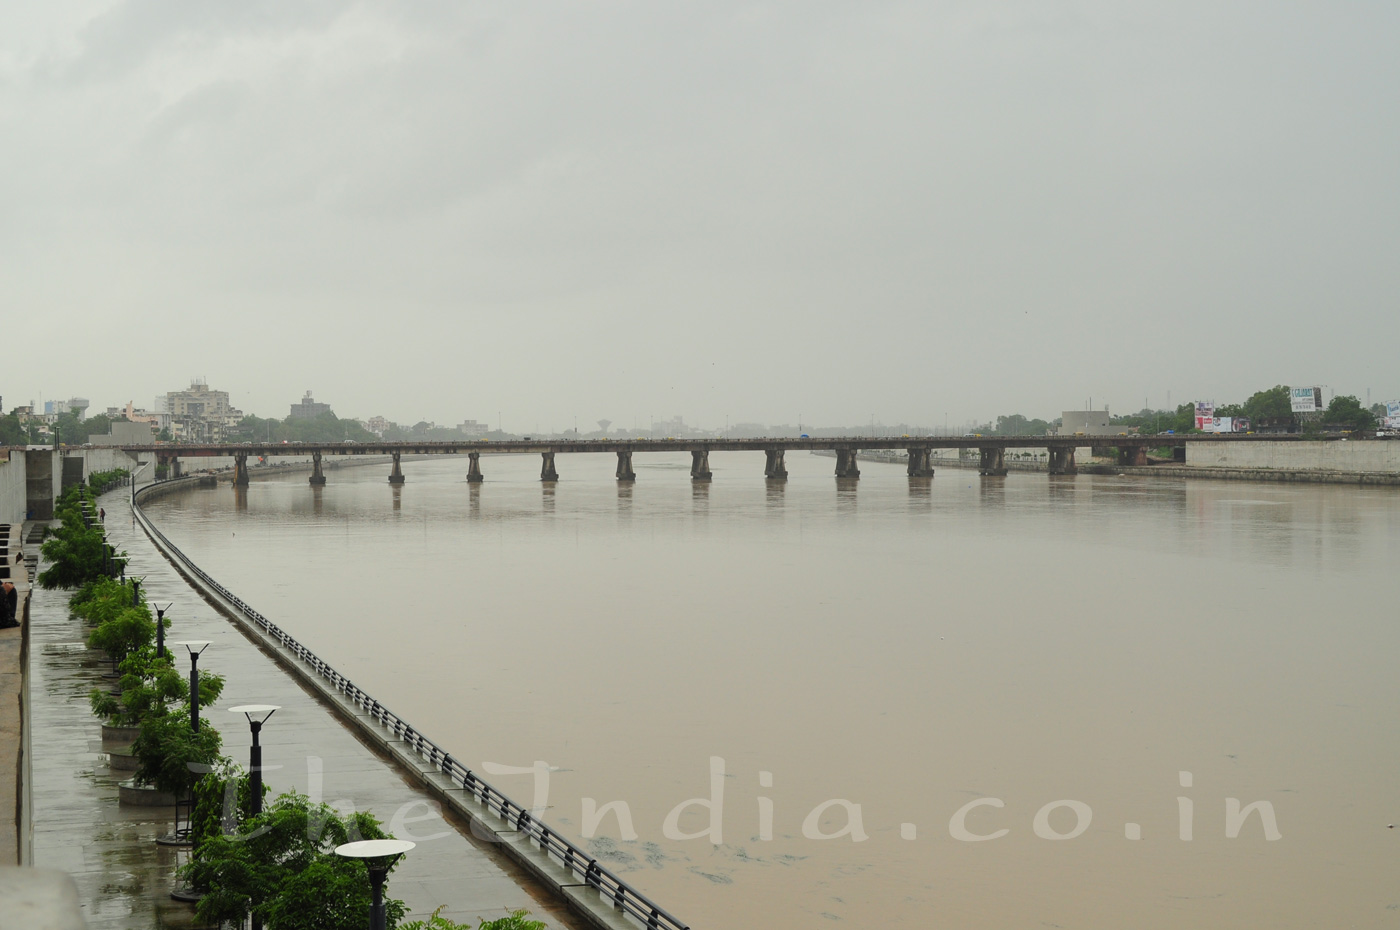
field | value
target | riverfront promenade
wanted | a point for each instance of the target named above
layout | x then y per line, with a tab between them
11	700
123	876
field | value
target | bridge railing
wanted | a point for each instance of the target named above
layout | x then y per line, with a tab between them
586	867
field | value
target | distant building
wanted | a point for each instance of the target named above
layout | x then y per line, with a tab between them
1088	422
308	409
378	425
472	429
125	433
75	405
201	415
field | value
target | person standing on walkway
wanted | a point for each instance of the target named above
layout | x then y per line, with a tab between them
101	514
9	605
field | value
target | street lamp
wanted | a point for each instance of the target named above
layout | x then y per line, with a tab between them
257	715
379	856
194	647
160	630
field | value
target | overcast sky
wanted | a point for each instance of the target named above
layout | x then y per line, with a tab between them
838	210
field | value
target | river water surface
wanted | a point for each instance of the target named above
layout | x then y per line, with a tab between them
881	652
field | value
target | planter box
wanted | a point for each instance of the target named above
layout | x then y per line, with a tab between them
122	762
134	795
120	734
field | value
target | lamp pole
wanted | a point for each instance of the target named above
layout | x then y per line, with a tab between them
257	715
379	857
160	631
194	647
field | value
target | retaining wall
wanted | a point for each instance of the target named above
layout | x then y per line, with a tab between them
1342	455
13	487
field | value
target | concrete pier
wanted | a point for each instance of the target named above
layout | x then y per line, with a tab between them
773	466
920	465
547	470
700	465
318	477
1061	462
474	475
240	470
846	463
992	462
624	466
1135	455
396	473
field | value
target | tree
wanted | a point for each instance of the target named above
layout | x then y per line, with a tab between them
1346	412
1273	404
281	865
171	753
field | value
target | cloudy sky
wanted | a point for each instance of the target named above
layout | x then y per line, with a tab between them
840	210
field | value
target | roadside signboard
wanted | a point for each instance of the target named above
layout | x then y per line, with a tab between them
1306	399
1205	415
1392	414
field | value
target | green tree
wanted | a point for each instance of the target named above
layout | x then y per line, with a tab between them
281	865
168	747
1273	404
1345	411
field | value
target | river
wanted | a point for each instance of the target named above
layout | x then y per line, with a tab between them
863	660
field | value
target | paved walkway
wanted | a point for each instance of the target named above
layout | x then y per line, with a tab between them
11	696
123	877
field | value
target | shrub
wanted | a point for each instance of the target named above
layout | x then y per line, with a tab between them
281	865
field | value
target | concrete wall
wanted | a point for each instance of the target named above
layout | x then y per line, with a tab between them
43	471
106	460
1354	455
13	492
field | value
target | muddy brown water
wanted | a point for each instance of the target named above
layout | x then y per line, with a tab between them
840	668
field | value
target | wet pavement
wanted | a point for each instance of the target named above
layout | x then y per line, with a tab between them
124	877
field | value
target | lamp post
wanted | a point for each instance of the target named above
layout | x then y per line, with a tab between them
194	647
160	630
257	715
136	592
379	857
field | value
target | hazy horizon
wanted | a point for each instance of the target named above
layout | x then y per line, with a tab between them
821	211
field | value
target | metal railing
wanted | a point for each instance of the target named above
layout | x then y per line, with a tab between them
612	888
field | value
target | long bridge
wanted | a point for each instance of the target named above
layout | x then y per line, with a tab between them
1131	450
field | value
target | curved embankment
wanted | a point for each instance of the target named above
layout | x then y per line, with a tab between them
570	873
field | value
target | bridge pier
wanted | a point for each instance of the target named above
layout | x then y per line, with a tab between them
396	473
474	475
774	467
993	462
700	465
174	466
919	464
547	471
624	466
846	466
240	470
318	477
1134	455
1062	461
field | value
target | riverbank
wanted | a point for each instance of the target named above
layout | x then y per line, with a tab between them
124	878
14	707
1214	472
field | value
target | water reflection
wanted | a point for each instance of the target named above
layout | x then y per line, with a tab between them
240	499
700	496
846	495
398	497
921	494
547	495
474	500
317	499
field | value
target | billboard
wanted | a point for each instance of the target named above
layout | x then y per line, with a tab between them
1392	414
1306	399
1227	425
1205	414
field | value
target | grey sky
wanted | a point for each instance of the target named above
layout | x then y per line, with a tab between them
759	210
